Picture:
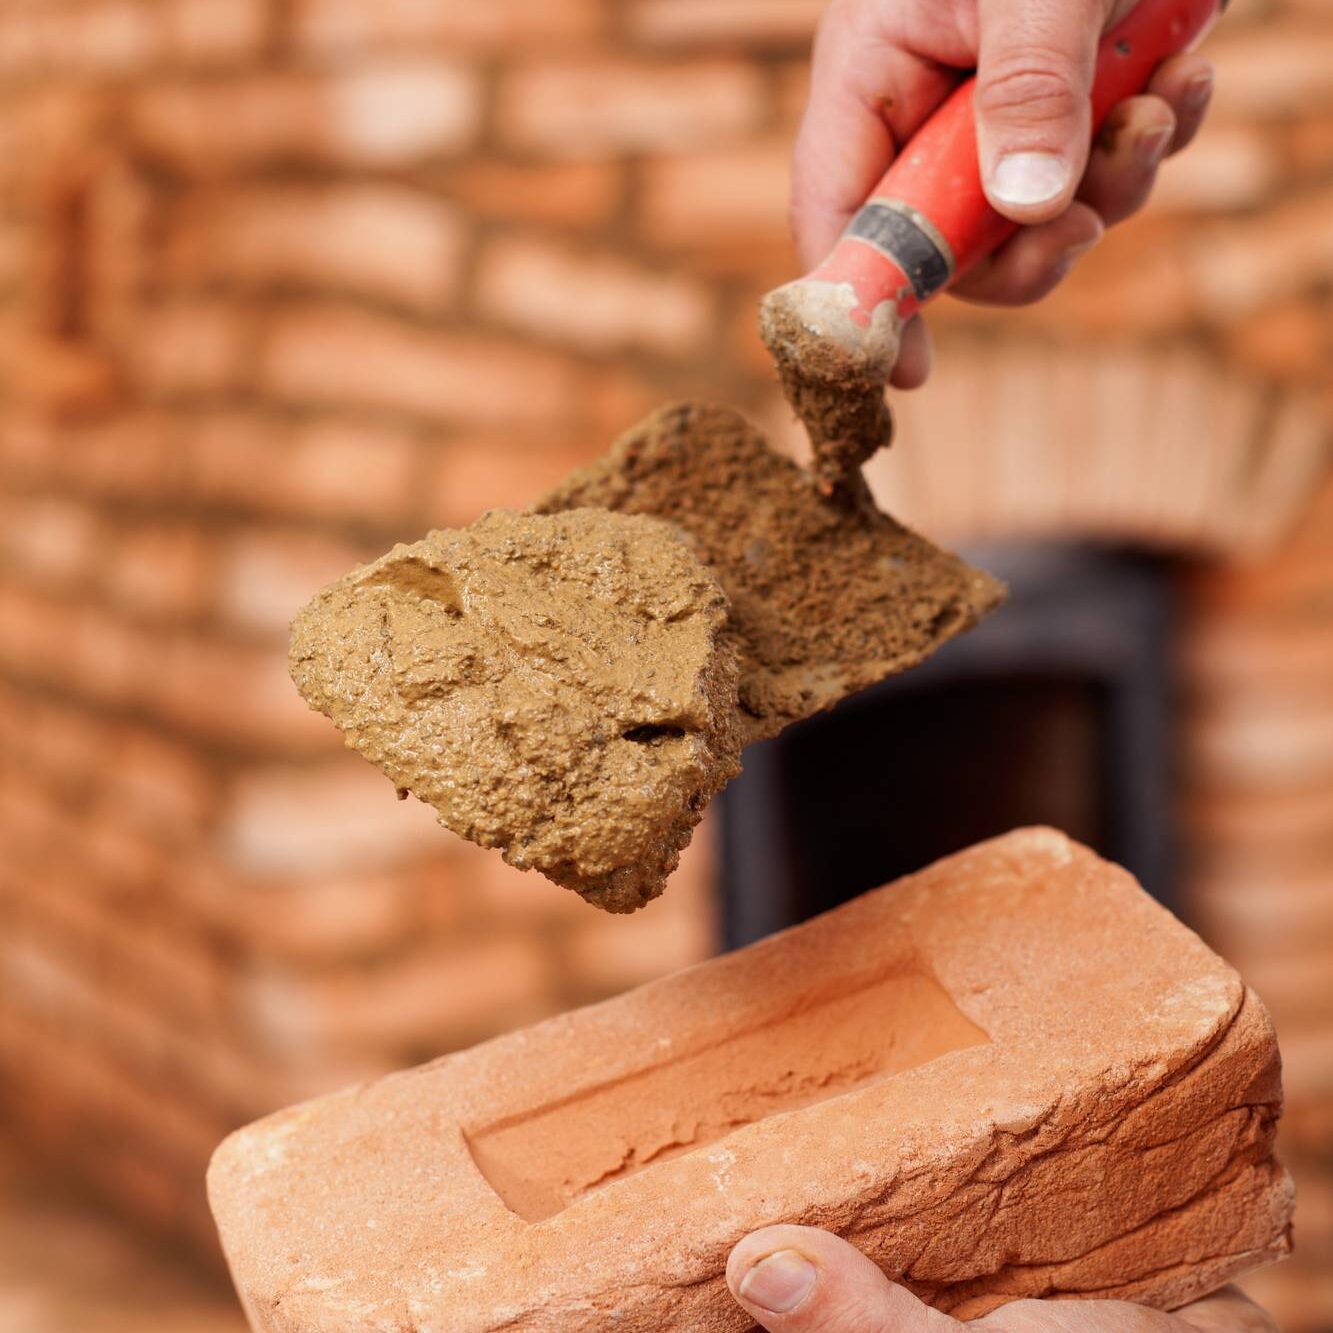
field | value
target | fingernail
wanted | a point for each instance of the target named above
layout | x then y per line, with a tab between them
1076	252
1199	89
1152	145
779	1283
1025	179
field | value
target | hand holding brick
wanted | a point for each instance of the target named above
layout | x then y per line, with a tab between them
1011	1075
800	1280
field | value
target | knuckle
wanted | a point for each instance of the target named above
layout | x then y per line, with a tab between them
1026	88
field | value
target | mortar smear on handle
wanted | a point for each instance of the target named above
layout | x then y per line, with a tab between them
833	371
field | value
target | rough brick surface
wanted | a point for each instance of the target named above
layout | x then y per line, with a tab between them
1010	1075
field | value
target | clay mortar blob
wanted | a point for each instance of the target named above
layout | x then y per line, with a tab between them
562	687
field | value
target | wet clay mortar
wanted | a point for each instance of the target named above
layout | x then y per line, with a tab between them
561	687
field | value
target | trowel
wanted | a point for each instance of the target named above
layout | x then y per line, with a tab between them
573	684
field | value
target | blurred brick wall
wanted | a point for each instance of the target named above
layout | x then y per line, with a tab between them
282	281
261	279
1258	807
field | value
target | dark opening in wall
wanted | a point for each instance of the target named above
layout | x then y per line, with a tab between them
1054	711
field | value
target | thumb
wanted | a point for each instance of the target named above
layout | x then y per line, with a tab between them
799	1280
1035	64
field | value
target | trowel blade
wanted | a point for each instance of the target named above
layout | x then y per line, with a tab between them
828	596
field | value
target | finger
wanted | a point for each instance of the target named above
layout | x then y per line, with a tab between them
801	1280
1123	168
866	92
1034	79
1031	265
1185	84
915	356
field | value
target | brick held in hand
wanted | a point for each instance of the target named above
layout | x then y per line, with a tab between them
1010	1075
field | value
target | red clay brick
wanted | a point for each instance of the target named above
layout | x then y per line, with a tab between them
389	114
325	27
1251	908
128	456
29	449
386	242
793	93
598	302
429	996
1272	72
619	398
1238	268
334	467
80	648
110	1086
53	375
49	539
233	694
1260	823
109	38
216	32
265	576
1309	144
348	358
402	112
1294	582
1229	166
340	817
1222	654
160	964
595	108
675	931
1022	1005
322	921
1290	342
1248	746
470	475
744	24
224	691
162	785
482	884
159	569
564	194
717	196
53	739
191	347
122	860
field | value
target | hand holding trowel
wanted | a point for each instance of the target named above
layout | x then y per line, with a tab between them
574	684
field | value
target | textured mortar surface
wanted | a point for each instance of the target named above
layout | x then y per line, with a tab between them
562	687
1036	1083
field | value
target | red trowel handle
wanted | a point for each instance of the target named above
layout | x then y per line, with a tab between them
928	221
